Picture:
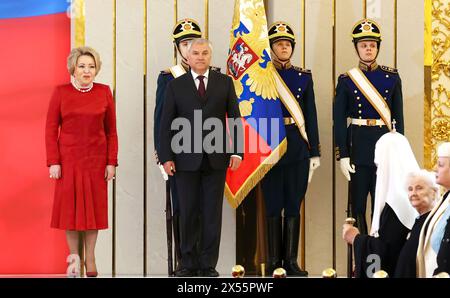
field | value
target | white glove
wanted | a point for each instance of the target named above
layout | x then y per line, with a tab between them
164	174
314	163
346	168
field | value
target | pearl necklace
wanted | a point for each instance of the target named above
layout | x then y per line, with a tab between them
83	90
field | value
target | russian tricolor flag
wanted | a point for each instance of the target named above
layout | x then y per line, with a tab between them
34	45
250	66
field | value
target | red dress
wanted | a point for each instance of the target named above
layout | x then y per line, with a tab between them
81	136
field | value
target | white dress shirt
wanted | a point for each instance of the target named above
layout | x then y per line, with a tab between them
197	81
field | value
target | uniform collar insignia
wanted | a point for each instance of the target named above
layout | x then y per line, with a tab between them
279	65
366	67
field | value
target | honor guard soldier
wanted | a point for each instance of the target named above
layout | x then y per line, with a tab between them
184	31
285	184
371	96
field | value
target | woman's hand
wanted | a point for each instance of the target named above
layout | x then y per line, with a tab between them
55	171
110	171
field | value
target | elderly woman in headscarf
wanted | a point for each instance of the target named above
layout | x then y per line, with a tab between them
422	193
393	215
433	253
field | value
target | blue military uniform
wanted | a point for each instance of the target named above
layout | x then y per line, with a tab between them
358	141
285	185
164	78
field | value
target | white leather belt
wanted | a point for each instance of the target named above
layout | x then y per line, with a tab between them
368	122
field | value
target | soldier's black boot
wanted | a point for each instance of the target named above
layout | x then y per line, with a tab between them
274	244
361	223
291	234
176	238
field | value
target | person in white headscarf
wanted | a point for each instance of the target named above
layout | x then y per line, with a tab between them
433	253
393	215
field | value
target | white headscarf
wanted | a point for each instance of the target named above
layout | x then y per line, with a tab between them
394	159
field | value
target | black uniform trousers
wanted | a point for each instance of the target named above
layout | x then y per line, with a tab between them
200	194
284	187
363	182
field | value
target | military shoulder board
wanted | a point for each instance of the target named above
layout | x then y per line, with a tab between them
215	68
301	69
388	69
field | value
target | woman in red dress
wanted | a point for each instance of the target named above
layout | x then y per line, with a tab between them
81	141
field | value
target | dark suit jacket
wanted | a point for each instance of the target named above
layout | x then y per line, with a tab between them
182	101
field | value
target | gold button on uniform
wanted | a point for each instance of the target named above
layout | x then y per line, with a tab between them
356	91
298	96
359	112
387	91
359	105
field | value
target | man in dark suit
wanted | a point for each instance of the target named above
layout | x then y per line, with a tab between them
195	147
183	31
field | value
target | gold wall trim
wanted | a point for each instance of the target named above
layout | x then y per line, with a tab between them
175	20
428	61
365	8
437	129
428	57
428	143
395	32
303	204
303	30
333	160
79	22
206	19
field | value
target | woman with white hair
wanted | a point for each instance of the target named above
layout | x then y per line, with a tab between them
433	253
422	191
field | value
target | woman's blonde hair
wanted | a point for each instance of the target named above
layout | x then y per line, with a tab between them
83	51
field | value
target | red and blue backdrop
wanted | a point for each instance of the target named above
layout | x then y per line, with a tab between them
34	44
